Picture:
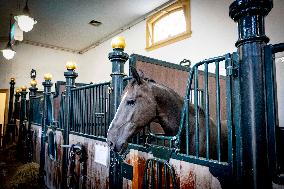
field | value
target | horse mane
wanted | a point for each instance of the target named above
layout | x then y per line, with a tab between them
191	108
150	80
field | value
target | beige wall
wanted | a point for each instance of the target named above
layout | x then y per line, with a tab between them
30	57
280	89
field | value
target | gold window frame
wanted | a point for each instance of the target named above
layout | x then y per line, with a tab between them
150	23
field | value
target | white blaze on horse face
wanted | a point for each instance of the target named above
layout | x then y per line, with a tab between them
121	102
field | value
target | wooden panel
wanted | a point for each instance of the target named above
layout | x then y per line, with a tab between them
188	175
173	78
36	130
97	174
53	167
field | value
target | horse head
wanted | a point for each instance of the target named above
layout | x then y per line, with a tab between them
137	109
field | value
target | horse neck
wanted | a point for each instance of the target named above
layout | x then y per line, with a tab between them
169	106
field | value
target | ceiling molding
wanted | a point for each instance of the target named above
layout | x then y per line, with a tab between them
49	46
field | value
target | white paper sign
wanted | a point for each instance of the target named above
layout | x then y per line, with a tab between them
39	133
101	154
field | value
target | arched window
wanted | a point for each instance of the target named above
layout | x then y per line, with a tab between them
169	25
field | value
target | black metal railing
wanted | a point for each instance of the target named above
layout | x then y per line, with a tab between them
199	126
91	113
37	109
61	111
201	136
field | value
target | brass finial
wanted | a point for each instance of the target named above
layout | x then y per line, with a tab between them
24	88
12	79
118	42
33	83
71	65
47	77
18	91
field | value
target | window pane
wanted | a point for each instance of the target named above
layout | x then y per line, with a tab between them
169	26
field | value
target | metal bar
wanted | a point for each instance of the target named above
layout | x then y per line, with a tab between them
277	48
218	111
207	112
105	110
101	110
271	106
145	183
90	86
173	176
77	111
93	111
96	111
86	111
196	110
231	60
90	110
210	60
167	184
187	124
73	111
159	175
152	174
81	111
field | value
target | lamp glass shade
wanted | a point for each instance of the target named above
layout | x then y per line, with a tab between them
8	53
25	22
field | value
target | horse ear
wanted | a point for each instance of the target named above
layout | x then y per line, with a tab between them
135	75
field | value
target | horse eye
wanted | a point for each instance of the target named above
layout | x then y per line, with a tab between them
130	102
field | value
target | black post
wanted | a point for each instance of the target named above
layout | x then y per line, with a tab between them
16	115
10	125
12	88
70	76
33	89
118	59
251	141
22	126
47	84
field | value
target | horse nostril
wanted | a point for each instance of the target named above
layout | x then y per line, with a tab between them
110	144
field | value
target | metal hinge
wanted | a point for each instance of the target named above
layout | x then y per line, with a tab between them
127	171
230	71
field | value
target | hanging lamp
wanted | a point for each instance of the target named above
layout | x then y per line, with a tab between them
9	52
25	21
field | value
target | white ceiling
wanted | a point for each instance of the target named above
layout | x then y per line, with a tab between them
64	23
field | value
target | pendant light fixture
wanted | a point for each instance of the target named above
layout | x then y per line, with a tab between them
9	52
25	21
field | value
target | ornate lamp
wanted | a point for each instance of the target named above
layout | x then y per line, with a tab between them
25	21
9	52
